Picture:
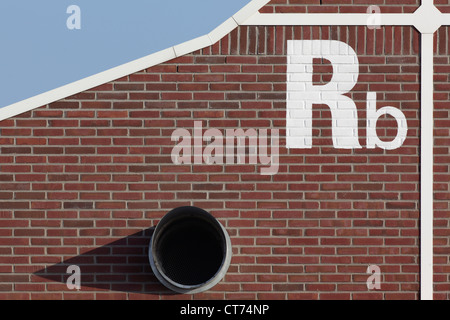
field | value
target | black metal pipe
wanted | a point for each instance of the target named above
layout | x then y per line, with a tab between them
190	251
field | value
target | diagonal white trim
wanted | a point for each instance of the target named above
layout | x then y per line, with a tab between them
86	83
222	30
133	66
249	10
192	45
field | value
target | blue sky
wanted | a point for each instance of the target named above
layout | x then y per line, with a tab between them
39	53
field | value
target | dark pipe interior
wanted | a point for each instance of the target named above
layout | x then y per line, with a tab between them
190	251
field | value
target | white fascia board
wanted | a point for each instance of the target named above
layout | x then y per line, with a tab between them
87	83
192	45
221	31
250	9
133	66
326	19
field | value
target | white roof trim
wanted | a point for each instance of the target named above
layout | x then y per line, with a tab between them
135	65
249	10
192	45
86	83
221	31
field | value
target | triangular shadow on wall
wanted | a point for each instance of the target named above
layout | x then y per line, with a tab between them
121	265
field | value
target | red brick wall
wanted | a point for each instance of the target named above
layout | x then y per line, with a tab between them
83	179
442	161
342	6
442	5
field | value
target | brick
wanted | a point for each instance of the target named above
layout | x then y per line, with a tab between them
308	232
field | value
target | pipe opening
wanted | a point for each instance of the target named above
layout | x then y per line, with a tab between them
190	250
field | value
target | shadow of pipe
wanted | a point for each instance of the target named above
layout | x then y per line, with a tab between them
121	265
